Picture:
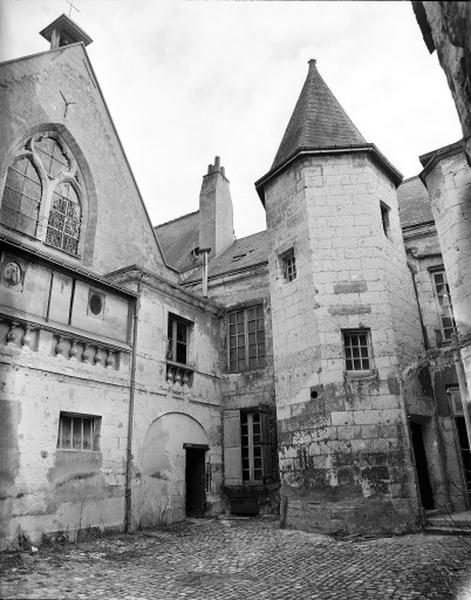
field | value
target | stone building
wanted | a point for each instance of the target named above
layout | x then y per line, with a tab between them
150	373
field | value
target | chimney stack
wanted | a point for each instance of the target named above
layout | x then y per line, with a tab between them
215	211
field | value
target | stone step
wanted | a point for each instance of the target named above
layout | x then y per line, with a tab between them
460	531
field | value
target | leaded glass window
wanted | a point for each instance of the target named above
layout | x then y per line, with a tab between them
63	227
246	338
21	197
42	194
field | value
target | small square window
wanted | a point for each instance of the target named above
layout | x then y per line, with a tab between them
357	349
385	218
78	432
288	265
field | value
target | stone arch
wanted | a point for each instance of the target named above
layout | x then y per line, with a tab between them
161	496
89	199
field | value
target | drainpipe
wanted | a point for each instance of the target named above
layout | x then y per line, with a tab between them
413	271
132	391
204	252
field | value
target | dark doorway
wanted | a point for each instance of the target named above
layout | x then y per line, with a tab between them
195	481
464	447
421	466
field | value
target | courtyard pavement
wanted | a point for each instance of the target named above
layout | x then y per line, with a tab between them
228	559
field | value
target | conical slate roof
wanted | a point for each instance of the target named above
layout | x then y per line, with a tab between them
318	121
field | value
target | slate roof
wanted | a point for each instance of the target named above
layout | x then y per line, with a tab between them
414	203
178	238
318	121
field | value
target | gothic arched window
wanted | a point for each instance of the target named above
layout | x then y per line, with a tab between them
43	194
22	197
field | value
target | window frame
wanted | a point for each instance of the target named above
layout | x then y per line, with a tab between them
249	417
174	321
440	312
385	211
95	430
50	182
363	331
260	338
288	265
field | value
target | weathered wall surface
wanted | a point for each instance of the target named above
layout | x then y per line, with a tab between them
169	414
30	101
344	450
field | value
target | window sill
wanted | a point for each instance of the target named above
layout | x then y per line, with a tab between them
243	371
361	374
186	366
76	450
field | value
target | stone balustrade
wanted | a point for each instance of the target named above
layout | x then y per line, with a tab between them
21	333
179	373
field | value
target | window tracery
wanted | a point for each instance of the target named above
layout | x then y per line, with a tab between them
42	196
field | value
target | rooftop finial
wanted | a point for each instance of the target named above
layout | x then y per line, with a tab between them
312	63
71	6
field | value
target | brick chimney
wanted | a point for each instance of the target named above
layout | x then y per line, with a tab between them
215	214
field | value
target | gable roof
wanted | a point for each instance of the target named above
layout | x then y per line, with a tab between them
318	121
414	203
178	238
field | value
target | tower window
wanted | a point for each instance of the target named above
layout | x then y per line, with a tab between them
78	432
385	210
445	308
288	265
246	339
357	349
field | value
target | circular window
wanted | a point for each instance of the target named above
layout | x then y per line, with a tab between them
96	304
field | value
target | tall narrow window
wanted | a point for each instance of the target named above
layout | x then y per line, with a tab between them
246	338
255	445
178	339
288	265
445	308
356	343
21	197
385	218
63	226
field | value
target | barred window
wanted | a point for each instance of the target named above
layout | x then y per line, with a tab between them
42	194
78	432
21	197
246	339
356	343
445	308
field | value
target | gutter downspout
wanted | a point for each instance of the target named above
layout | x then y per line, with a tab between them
132	390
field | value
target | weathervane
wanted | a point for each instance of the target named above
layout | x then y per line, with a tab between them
71	6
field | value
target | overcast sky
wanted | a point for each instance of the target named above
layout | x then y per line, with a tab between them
185	81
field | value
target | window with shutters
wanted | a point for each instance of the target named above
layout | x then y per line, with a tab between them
246	338
43	194
445	308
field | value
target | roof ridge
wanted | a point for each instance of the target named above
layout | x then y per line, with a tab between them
177	219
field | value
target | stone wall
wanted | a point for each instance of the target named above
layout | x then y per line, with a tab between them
344	445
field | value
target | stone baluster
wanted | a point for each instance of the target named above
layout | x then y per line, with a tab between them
98	358
27	340
87	354
110	358
74	349
12	335
60	346
178	376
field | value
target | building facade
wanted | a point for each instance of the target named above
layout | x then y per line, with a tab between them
152	373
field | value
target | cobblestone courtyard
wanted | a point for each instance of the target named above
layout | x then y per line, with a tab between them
241	559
